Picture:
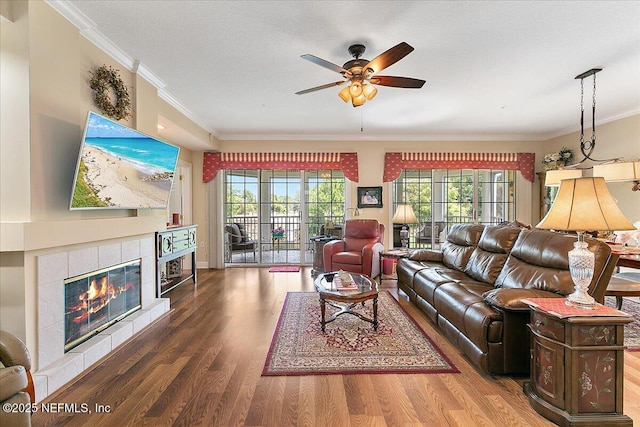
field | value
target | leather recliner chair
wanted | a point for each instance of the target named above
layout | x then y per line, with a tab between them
359	250
16	384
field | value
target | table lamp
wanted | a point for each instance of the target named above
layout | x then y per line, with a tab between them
404	215
356	212
583	204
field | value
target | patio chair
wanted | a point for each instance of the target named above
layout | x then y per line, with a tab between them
238	240
430	229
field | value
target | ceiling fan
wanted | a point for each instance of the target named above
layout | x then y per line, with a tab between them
361	73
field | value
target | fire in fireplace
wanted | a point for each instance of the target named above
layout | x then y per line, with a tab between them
96	300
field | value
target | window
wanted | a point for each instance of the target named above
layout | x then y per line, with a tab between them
444	197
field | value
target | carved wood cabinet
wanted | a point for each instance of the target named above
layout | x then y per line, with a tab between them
577	369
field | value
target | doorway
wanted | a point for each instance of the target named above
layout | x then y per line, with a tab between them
278	212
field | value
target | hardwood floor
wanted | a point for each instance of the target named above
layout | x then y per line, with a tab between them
201	365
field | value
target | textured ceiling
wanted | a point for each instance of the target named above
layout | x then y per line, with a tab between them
494	69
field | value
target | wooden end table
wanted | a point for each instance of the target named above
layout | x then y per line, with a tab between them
345	300
395	253
577	361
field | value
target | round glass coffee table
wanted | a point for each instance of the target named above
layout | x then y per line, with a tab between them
362	289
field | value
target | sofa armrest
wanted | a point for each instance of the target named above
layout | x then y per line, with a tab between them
13	351
370	259
511	298
12	381
328	250
426	255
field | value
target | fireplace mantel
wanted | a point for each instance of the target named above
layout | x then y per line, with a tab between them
36	235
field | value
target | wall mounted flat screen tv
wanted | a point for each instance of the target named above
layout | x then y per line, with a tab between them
121	168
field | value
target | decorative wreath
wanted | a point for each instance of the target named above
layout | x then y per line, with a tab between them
104	78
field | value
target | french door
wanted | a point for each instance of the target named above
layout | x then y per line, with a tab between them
279	211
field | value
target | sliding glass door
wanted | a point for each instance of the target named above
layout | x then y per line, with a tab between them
277	212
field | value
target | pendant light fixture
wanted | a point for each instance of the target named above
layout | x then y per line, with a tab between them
554	177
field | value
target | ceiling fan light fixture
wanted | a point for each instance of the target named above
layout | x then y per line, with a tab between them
360	74
358	100
355	89
344	94
369	91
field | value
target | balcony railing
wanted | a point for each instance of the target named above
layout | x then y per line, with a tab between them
290	223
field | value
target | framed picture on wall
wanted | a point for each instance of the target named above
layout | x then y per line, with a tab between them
369	197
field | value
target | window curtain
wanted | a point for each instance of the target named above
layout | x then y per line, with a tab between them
347	162
394	163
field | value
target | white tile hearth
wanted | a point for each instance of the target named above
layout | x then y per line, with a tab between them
54	367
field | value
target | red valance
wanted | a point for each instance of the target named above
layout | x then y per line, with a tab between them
347	162
394	163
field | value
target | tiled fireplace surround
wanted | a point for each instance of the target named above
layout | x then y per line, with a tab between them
55	368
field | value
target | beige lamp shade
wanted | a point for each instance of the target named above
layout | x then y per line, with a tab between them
618	171
585	204
404	215
553	177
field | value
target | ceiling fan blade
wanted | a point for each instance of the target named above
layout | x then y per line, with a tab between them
393	81
389	57
313	89
326	64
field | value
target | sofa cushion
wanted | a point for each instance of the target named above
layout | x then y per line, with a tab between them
426	255
463	306
426	281
459	246
489	256
452	275
406	271
519	274
539	260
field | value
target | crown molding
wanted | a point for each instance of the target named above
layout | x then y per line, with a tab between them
88	29
358	137
576	128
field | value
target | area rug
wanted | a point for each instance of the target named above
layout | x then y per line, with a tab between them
285	269
350	345
632	330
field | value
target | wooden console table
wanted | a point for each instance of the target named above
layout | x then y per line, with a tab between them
171	245
577	361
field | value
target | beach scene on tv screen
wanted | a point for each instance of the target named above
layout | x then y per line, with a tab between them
122	168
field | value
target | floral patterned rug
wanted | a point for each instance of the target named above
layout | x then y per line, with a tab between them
632	330
350	345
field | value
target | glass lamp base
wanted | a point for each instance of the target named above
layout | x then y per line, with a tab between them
581	299
404	237
581	263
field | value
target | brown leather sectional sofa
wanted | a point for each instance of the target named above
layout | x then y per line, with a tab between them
473	288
